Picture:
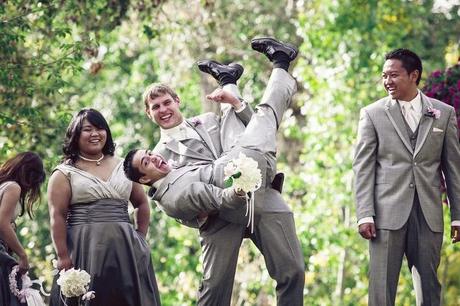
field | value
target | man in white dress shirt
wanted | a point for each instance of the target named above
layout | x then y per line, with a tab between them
404	141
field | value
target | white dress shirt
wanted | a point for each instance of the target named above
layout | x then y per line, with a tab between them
179	132
412	111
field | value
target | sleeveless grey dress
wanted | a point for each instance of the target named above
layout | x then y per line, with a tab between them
102	241
7	262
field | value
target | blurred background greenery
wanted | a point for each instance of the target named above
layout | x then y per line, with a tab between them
57	57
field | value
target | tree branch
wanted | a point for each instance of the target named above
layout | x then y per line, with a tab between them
41	8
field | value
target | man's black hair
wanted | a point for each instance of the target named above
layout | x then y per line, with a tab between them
131	172
410	60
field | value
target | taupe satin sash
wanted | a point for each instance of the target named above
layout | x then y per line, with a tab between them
103	210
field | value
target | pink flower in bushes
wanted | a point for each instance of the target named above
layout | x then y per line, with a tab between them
436	74
445	86
456	102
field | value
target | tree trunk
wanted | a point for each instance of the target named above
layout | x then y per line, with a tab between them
341	272
208	85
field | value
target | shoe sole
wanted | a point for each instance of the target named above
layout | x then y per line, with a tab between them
202	65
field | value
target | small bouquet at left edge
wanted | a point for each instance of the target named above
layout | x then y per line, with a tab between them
243	174
26	295
75	283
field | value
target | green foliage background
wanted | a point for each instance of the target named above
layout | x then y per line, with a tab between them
57	57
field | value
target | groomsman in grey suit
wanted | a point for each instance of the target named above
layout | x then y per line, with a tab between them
192	189
186	192
406	142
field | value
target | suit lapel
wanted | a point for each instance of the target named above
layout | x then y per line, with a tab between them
157	194
181	149
393	111
424	126
200	129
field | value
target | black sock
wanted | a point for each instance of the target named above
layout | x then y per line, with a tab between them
281	60
226	78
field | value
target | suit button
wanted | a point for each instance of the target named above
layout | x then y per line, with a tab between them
411	185
415	164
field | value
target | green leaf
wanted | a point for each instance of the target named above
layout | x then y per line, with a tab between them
228	182
237	175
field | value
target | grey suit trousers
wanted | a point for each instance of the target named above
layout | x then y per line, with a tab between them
422	248
274	231
275	237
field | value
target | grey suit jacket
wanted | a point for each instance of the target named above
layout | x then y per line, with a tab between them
208	126
388	172
193	185
192	189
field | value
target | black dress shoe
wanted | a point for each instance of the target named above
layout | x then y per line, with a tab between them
218	70
269	46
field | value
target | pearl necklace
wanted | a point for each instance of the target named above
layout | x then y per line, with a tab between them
98	161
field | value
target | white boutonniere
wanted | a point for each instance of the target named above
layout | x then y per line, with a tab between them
243	175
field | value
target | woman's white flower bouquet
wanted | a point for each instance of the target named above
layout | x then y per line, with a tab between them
243	174
75	283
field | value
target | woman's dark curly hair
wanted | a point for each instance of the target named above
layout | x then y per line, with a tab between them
72	135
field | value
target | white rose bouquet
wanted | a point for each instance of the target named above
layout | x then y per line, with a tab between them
243	174
75	283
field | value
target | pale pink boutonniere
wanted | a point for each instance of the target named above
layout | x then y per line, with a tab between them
196	122
433	112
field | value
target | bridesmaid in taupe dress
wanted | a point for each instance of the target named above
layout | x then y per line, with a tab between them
88	200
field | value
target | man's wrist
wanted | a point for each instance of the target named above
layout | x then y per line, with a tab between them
239	106
365	220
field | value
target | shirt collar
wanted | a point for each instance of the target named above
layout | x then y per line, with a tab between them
181	132
416	102
153	189
178	132
157	183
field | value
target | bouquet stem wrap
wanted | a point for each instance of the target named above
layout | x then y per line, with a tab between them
243	175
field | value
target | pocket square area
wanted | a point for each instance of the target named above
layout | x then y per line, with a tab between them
436	130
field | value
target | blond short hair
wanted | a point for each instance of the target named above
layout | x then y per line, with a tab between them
156	90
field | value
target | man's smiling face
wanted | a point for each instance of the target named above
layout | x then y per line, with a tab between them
164	111
153	166
399	84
